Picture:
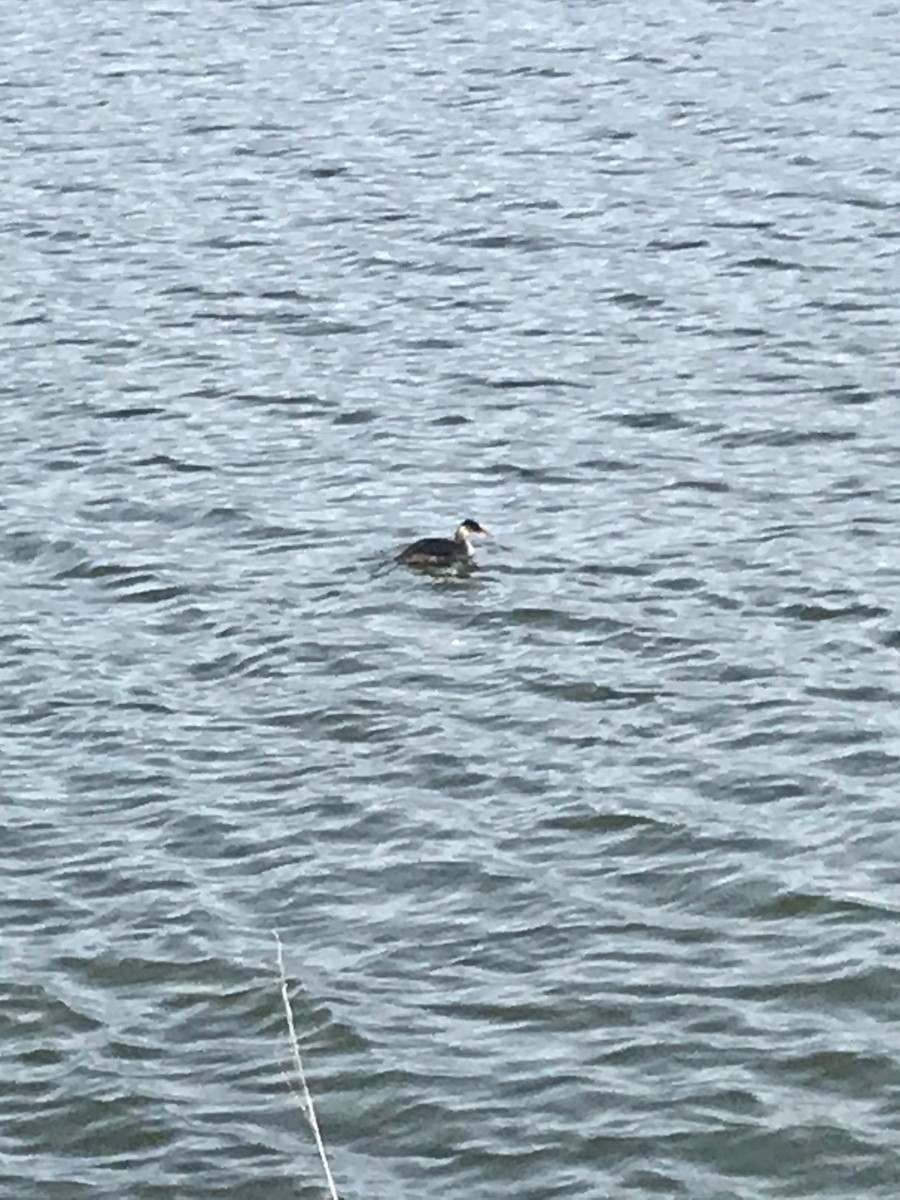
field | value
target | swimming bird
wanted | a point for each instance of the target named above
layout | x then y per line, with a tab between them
443	552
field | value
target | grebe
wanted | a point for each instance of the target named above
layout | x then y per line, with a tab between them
443	552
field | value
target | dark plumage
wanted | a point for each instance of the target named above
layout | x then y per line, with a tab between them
442	552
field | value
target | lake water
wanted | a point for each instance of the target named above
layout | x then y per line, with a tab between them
587	866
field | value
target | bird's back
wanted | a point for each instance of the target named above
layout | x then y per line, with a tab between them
429	550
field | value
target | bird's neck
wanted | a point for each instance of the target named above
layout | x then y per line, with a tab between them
462	540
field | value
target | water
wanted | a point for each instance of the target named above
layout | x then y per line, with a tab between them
586	867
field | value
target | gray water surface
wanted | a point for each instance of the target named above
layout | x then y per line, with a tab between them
586	867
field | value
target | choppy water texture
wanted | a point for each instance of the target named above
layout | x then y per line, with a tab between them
586	867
